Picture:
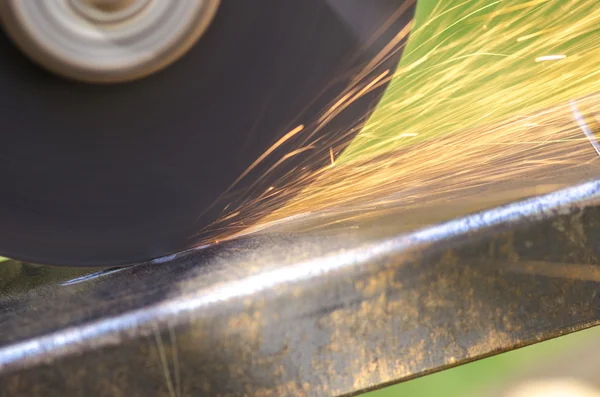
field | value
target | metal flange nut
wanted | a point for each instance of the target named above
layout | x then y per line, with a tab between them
106	41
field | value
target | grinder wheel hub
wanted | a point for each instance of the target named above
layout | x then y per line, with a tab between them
109	11
106	40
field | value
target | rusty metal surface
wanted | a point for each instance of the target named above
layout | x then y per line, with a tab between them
310	314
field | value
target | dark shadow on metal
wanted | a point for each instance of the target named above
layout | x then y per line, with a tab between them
318	315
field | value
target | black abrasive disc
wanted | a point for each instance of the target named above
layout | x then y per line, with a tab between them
103	175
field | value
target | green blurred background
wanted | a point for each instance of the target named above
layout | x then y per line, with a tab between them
493	375
468	63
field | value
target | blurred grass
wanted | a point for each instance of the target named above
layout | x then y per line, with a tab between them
475	378
474	80
469	63
465	65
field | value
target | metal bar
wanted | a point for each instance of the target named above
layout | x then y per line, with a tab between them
277	315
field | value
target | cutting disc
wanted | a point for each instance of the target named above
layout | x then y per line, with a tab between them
112	174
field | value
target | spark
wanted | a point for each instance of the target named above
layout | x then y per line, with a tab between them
163	360
391	46
533	35
277	144
510	9
585	128
550	58
371	84
175	354
480	115
232	215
